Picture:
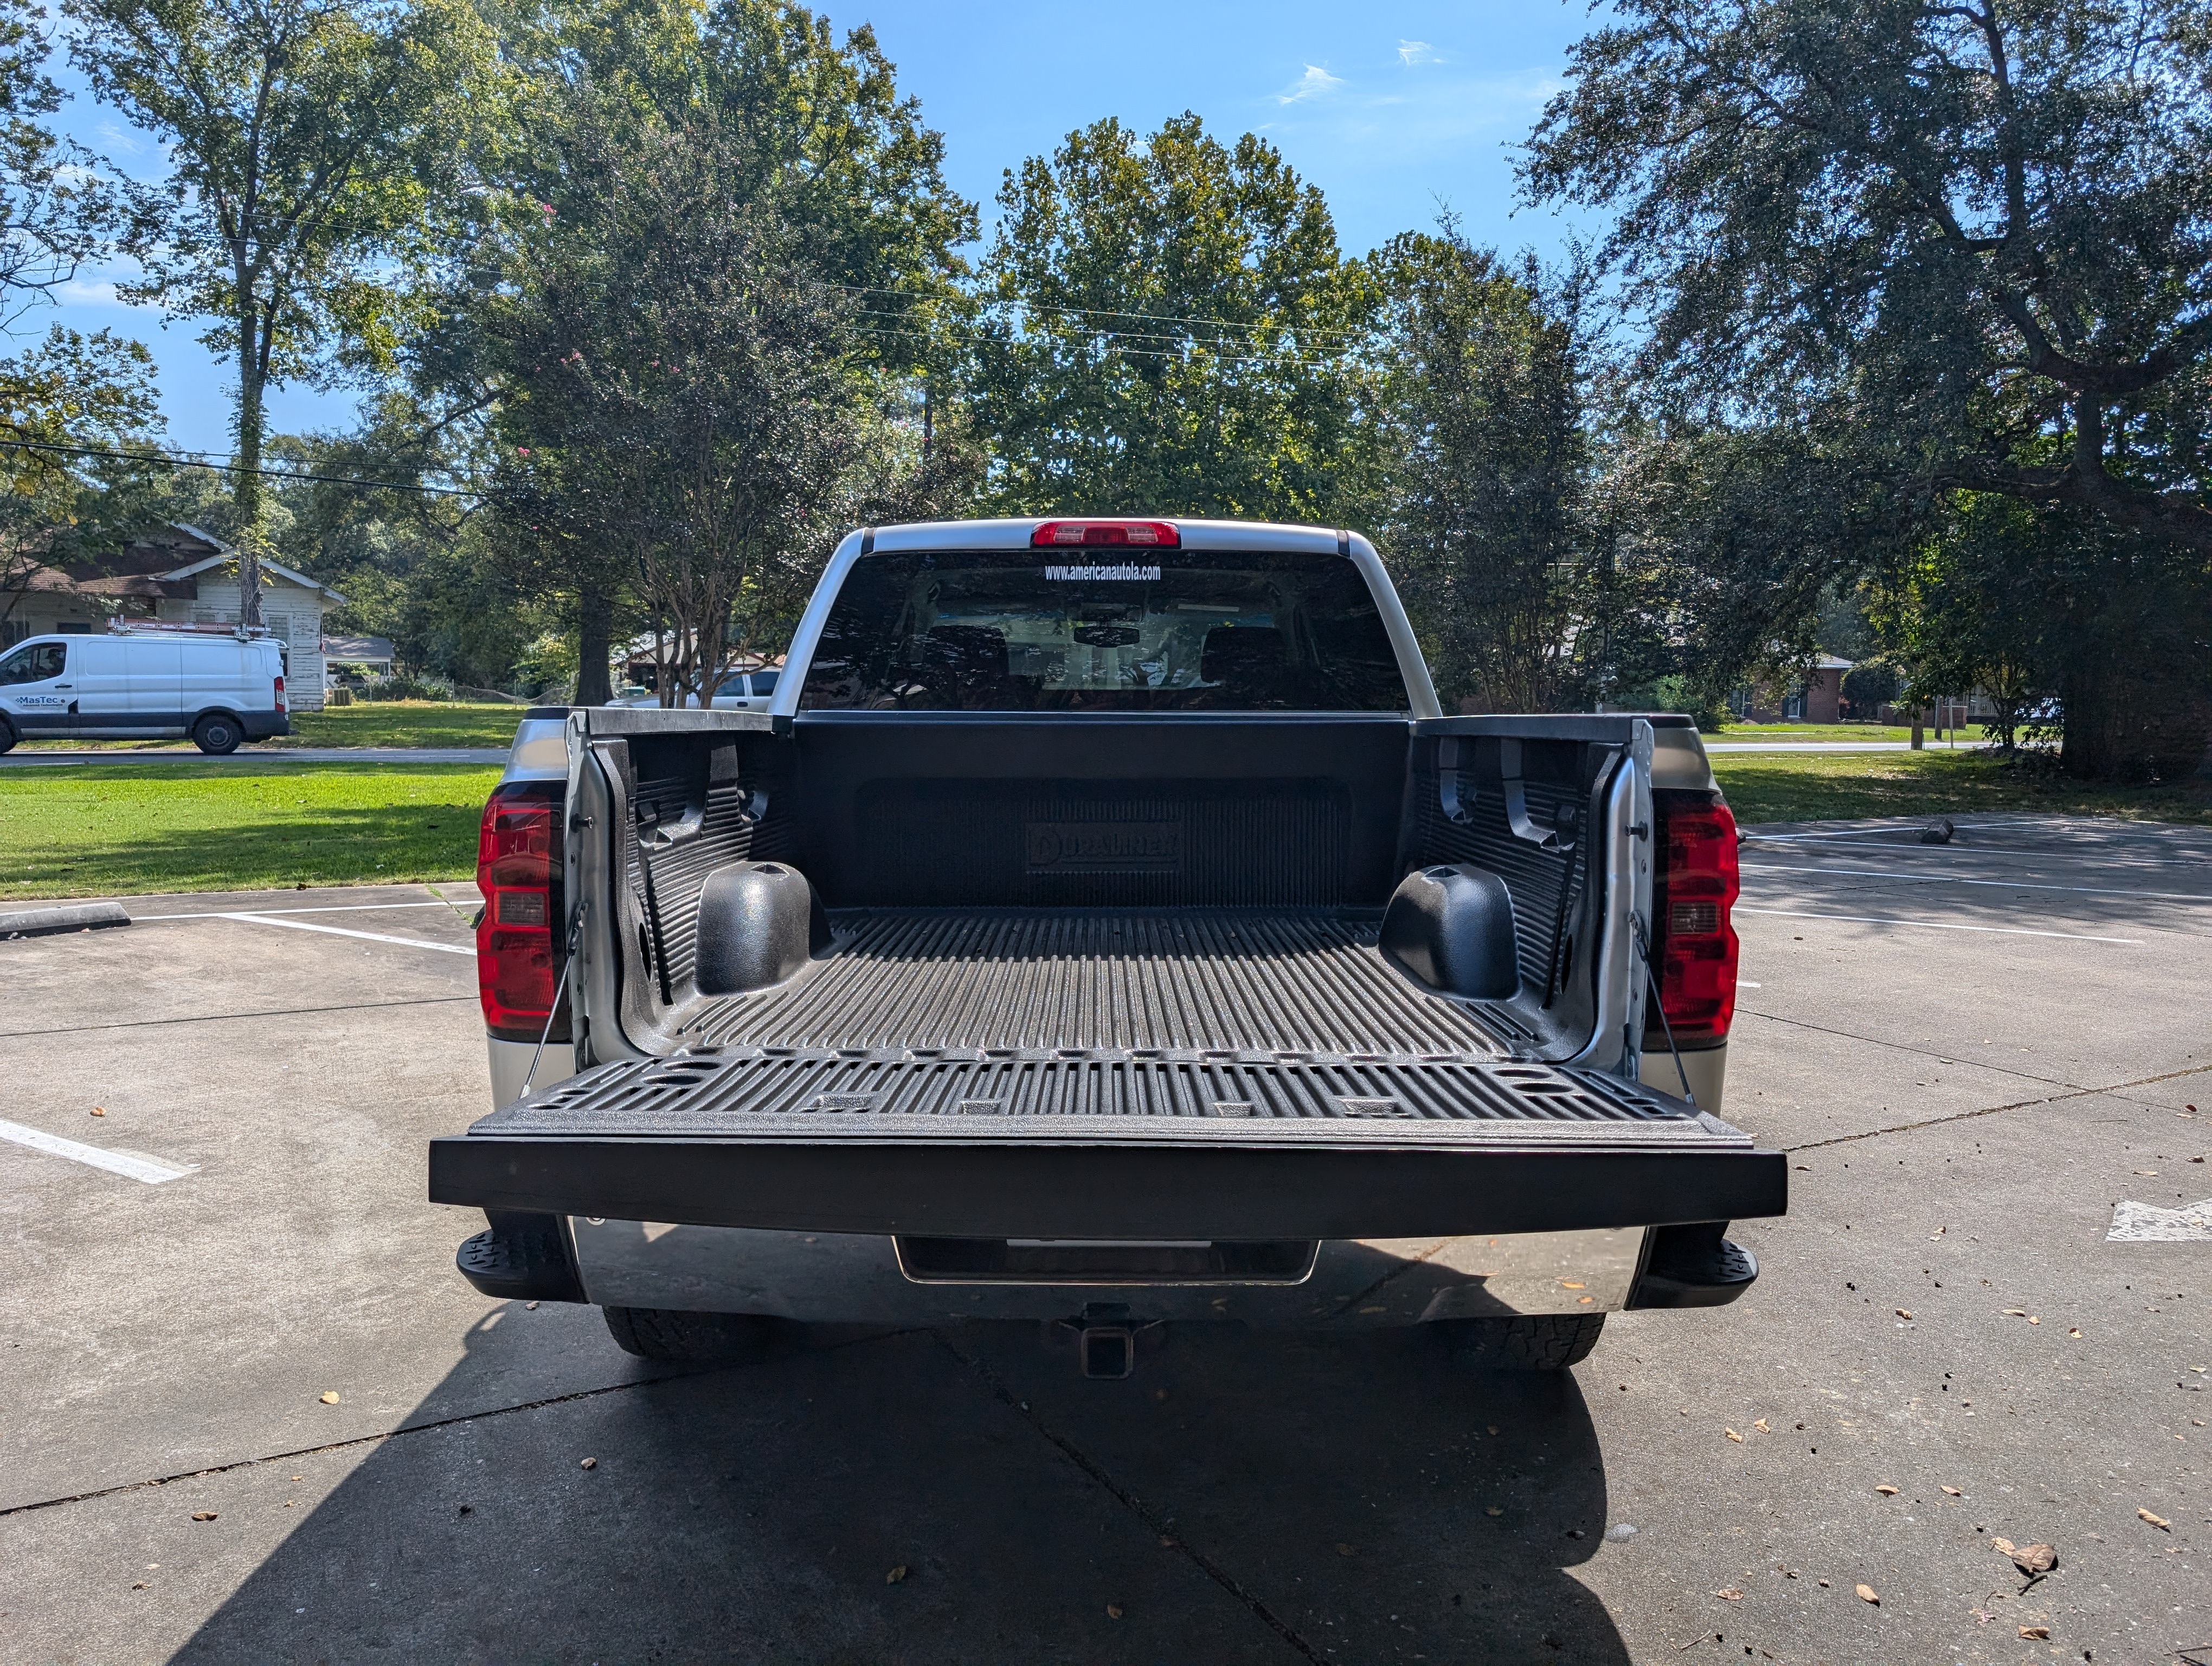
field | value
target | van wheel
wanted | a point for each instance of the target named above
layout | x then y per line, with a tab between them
7	736
218	733
670	1333
1535	1342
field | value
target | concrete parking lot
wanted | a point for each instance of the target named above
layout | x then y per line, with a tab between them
1974	1052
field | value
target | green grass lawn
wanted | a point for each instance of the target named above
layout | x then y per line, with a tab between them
108	829
1801	786
371	723
1972	732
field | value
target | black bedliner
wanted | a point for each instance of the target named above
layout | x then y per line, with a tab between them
1193	979
1107	1144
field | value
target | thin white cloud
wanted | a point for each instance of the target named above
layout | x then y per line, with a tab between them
1316	82
1411	53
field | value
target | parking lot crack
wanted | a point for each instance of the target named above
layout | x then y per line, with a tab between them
232	1018
1921	1052
2116	1090
1153	1523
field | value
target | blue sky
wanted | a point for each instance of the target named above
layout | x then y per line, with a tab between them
1393	110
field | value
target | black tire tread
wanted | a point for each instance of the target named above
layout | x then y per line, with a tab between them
674	1335
1532	1342
200	731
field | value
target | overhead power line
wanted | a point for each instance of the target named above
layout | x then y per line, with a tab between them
199	460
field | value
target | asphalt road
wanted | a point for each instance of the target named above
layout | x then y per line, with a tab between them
1974	1052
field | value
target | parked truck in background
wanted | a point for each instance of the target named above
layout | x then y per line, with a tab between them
1103	925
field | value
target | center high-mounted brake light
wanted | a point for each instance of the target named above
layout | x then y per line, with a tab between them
1067	534
518	947
1695	948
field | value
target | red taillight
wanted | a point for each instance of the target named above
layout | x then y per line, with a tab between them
1694	943
280	694
1067	534
518	947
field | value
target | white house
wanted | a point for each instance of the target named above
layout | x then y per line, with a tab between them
181	573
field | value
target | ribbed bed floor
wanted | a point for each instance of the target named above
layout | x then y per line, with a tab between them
1108	980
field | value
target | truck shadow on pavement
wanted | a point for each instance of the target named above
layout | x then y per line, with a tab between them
959	1495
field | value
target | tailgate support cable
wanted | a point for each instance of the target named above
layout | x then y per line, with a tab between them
575	937
1651	982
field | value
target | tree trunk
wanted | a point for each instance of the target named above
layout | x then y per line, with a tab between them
1919	738
246	485
594	686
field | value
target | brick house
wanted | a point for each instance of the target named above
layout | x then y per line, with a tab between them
1817	697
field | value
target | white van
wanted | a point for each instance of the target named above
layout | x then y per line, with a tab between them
217	686
740	691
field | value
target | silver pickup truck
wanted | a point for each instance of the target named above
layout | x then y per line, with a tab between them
1104	927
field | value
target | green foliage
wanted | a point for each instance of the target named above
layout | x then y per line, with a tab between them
311	145
1893	252
1164	324
1482	470
669	310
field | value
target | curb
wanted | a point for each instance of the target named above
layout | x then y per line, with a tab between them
72	917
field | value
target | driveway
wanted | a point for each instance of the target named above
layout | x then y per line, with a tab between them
1974	1052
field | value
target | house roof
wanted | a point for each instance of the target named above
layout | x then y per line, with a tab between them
224	552
1829	662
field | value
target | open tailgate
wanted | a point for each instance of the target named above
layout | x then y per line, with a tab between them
1105	1145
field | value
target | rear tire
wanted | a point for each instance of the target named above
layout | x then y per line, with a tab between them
6	736
681	1337
217	734
1536	1341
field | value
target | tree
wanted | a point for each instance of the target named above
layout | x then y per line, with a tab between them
663	317
1943	247
55	208
73	393
312	143
1483	471
1165	326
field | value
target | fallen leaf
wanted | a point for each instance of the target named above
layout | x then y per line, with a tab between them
1866	1595
1113	1611
1824	1584
141	1586
1887	1490
1937	1233
1347	1550
2158	1522
101	1110
1903	1313
1491	1427
2033	1320
2015	1313
1729	1594
2147	1173
2074	1333
1761	1427
1493	1510
2002	1546
591	1463
204	1515
1734	1436
895	1575
2033	1559
2035	1634
530	1307
1572	1284
1982	1616
1955	1491
330	1397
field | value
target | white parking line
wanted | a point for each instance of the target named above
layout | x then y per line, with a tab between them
136	1168
2000	884
1938	925
328	907
340	931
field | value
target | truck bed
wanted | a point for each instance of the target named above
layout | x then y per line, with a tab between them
1073	981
